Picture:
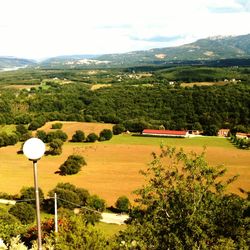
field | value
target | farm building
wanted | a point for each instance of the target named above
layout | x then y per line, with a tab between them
223	132
242	135
166	133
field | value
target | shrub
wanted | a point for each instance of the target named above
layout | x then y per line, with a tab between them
92	137
41	135
66	198
28	194
79	136
23	212
10	226
123	204
57	125
118	129
55	147
72	165
37	123
97	203
106	134
58	134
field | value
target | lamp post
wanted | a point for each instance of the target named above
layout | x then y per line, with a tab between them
34	149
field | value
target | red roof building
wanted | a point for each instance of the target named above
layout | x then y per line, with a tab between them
167	133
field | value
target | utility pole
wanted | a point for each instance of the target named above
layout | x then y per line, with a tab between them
56	218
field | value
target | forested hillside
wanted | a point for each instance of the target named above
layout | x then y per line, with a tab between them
174	107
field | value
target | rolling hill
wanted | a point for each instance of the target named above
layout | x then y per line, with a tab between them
7	63
217	51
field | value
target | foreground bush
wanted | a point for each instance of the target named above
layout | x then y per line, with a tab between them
23	212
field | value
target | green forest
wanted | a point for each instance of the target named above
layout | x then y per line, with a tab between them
135	98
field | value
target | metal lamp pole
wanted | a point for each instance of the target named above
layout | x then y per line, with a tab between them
38	219
34	149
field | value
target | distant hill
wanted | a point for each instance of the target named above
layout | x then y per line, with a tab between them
8	63
215	48
214	51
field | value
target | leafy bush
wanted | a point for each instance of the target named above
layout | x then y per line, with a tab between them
79	136
106	134
118	129
10	226
41	135
72	165
23	212
97	203
58	134
92	137
28	195
57	125
123	204
37	123
55	147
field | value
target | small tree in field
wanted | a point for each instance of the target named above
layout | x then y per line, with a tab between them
105	135
55	147
78	136
123	204
118	129
72	165
92	137
57	125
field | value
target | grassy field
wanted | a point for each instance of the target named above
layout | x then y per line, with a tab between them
109	230
113	167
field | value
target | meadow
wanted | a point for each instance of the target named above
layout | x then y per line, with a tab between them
113	166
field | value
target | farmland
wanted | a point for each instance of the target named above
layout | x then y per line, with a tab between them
113	166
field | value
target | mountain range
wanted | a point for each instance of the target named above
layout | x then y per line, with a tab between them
203	50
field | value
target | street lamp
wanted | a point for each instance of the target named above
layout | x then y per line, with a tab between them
34	149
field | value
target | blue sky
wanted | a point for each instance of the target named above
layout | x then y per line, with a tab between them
42	28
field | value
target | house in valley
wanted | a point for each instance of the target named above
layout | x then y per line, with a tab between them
223	132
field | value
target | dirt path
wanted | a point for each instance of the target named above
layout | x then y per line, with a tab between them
114	218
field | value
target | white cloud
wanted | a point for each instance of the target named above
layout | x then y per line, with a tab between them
40	28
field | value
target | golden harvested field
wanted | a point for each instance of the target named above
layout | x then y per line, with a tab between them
112	167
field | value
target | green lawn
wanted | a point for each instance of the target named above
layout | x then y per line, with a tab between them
109	230
208	141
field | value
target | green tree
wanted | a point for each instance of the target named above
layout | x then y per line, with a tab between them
92	137
10	226
97	203
184	206
118	129
211	130
72	165
123	204
78	136
55	147
23	212
105	134
58	134
27	194
41	134
78	235
57	125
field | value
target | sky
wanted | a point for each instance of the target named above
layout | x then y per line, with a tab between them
38	29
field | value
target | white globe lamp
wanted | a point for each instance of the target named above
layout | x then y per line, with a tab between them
34	149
